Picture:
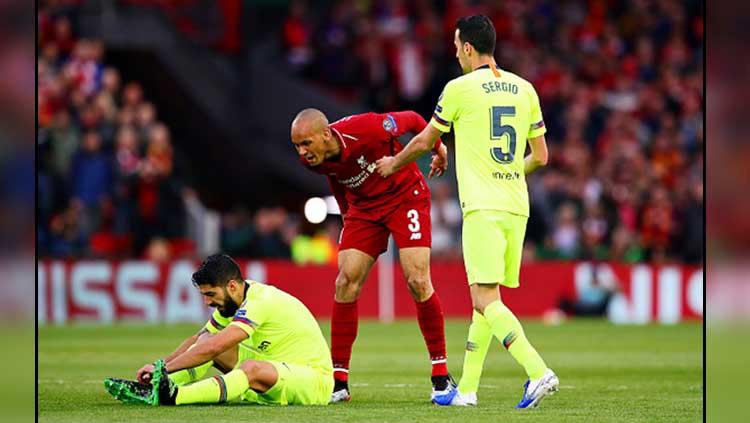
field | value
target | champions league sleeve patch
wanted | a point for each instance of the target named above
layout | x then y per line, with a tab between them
389	124
438	107
241	317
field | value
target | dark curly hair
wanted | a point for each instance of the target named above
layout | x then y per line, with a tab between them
217	270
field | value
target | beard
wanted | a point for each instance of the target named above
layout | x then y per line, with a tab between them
229	308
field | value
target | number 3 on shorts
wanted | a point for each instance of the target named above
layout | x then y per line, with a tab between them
413	216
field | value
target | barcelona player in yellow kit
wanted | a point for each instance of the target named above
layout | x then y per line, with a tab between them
494	115
265	341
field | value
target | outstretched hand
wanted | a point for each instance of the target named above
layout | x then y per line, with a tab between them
439	162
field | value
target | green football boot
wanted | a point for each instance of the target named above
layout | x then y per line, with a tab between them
128	391
163	389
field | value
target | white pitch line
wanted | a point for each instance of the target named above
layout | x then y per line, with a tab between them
63	381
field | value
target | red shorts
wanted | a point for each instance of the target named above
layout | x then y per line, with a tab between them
408	221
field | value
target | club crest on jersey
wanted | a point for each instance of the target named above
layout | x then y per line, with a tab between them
364	164
389	124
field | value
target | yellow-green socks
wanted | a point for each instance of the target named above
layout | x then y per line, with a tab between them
183	377
214	390
477	344
508	330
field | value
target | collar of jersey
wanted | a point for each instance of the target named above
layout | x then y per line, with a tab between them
248	282
487	66
344	149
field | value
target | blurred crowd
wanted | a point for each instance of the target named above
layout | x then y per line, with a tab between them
275	233
621	88
108	183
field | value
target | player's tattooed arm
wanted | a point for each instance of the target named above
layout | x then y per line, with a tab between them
143	374
207	350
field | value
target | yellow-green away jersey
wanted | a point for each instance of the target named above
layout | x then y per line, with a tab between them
279	327
493	113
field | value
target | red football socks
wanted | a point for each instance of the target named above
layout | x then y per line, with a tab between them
344	324
430	317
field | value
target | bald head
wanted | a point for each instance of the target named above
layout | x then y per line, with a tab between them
312	138
308	121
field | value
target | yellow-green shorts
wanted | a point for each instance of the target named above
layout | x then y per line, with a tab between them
298	384
493	246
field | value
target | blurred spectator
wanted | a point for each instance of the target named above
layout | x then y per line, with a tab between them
65	237
64	142
314	249
237	232
127	166
658	224
158	250
693	233
595	229
268	238
111	83
145	119
91	179
132	95
592	299
160	211
297	36
446	222
624	248
566	236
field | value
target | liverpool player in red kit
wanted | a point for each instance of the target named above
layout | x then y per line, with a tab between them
373	208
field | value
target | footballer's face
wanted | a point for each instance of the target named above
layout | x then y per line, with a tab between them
219	297
313	145
462	52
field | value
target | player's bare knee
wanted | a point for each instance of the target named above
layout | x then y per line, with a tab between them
251	368
420	287
484	295
347	288
261	376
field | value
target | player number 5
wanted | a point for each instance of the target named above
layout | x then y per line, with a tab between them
498	130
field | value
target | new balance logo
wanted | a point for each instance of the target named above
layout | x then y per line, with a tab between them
471	346
263	345
415	236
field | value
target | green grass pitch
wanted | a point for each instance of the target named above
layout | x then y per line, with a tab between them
607	373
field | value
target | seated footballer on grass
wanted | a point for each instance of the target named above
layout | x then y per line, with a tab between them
265	341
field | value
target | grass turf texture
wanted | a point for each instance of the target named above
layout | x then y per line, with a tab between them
607	373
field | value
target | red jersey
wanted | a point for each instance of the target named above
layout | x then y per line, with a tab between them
364	139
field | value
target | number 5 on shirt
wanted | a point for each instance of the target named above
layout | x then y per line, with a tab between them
498	130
